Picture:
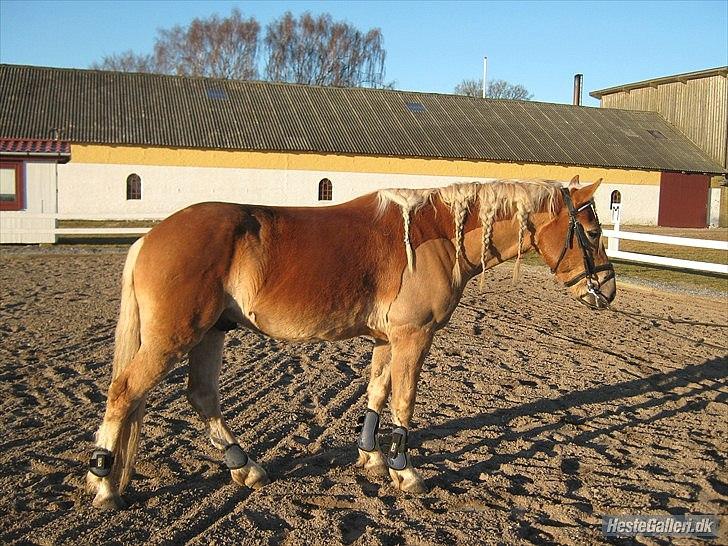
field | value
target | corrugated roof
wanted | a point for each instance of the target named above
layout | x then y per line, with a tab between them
682	78
93	106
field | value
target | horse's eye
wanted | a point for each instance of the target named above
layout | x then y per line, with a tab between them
594	233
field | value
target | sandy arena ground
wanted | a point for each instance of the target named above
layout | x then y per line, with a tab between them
535	417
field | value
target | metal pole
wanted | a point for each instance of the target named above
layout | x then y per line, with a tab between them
485	74
578	78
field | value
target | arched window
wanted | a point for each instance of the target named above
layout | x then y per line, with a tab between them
133	186
616	198
325	190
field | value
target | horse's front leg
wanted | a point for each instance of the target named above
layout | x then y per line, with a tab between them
409	347
370	457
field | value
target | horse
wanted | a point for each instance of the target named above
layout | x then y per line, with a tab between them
391	265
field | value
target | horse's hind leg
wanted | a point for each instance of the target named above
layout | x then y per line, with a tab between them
203	392
409	348
117	440
370	457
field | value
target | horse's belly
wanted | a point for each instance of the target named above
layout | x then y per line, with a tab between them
305	327
297	330
311	309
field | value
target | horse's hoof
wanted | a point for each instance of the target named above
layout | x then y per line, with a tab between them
373	463
256	480
408	480
415	487
251	475
110	502
376	469
92	483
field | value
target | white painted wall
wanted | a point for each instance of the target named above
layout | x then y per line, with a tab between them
40	187
98	191
36	222
640	203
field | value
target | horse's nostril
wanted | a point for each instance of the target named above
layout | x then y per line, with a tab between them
609	290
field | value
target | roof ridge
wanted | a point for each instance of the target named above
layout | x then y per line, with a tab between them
287	84
693	75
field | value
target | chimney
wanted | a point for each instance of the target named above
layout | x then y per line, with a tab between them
577	88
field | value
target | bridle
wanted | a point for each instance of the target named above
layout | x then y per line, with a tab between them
587	248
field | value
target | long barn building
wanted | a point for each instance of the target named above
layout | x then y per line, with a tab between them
108	145
696	103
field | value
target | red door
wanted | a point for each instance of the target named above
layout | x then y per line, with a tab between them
683	200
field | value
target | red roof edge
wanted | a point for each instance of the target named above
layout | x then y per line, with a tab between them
25	147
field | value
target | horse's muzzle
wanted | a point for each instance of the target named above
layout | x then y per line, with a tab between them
598	295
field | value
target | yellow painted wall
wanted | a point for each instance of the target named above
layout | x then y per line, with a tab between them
717	181
180	157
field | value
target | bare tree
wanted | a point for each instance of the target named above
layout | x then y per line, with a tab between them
312	50
496	89
469	88
128	61
321	51
213	47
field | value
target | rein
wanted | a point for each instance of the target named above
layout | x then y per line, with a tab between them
590	270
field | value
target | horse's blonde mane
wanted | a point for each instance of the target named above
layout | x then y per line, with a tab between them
494	197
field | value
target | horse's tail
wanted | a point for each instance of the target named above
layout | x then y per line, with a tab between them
126	346
128	338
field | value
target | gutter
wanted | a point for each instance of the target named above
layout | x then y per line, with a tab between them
63	158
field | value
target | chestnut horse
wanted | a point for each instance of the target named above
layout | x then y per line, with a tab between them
391	265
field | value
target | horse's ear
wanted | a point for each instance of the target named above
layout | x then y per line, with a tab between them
574	182
583	194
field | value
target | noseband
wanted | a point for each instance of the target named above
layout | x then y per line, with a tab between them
587	248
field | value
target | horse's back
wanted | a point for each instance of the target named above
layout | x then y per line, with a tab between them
199	236
327	269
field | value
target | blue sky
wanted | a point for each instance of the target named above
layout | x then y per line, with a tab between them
431	46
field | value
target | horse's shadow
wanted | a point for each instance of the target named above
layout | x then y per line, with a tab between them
710	376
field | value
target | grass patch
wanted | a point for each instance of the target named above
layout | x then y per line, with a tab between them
96	239
681	252
653	273
106	223
99	239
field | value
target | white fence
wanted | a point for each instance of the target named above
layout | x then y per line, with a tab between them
121	231
24	227
615	235
43	228
34	228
